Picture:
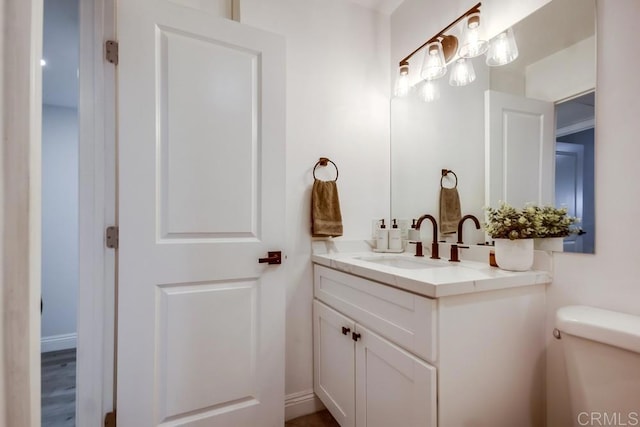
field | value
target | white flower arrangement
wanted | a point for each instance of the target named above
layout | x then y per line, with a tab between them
554	222
507	222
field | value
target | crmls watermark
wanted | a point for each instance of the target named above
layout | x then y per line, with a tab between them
608	419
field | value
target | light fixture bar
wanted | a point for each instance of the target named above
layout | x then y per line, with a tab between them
474	9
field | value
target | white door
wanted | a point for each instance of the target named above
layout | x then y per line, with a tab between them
201	198
569	186
334	358
393	387
519	144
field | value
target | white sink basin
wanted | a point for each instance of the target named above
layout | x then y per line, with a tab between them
402	262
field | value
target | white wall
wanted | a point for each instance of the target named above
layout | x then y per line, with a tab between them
59	226
3	346
608	279
21	30
563	74
556	77
338	107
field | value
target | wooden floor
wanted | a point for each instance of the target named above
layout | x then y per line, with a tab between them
59	388
319	419
59	394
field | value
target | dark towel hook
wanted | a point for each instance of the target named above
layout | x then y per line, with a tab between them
445	172
324	161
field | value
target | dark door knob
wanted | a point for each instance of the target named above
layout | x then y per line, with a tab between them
355	336
274	257
345	331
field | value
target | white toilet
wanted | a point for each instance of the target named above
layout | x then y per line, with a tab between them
602	354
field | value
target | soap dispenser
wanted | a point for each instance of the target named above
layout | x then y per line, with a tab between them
413	237
395	237
382	239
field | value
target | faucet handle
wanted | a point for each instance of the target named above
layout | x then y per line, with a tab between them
454	254
435	250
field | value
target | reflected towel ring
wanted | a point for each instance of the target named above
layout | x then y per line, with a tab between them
324	162
445	172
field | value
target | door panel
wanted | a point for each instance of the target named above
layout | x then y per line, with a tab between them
201	198
519	150
208	135
195	375
222	8
393	387
569	187
334	358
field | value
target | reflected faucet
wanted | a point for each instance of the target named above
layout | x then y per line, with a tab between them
434	244
461	223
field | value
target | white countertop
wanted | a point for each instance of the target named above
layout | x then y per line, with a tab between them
440	277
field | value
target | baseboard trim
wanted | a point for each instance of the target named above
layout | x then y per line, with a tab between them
58	342
300	404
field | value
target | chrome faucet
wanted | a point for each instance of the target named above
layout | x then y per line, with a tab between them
461	223
434	244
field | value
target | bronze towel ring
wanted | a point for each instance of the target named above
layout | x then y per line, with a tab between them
445	172
324	162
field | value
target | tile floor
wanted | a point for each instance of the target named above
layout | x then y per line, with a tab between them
319	419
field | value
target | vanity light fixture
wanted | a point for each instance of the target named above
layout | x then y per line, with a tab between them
442	49
462	73
430	91
434	65
472	44
502	49
403	86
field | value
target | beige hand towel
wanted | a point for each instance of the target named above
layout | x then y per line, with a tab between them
450	212
326	219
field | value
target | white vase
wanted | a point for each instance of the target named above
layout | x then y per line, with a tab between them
553	244
514	255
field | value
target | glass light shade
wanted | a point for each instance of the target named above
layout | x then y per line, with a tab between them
462	73
403	85
502	49
471	44
433	66
430	91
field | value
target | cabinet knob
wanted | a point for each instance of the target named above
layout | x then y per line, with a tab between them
345	331
355	336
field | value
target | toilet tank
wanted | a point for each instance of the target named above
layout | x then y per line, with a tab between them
602	354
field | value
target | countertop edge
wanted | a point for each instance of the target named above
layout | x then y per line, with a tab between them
344	263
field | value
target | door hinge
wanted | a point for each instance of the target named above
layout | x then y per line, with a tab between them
112	237
110	419
111	51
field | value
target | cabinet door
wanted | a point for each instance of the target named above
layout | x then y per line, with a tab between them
334	358
393	387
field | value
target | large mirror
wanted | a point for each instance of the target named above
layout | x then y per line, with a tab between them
520	133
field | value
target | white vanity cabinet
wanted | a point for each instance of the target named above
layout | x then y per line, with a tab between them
362	377
387	357
365	380
334	362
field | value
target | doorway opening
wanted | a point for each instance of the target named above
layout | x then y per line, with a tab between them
60	207
574	188
78	87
